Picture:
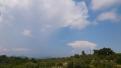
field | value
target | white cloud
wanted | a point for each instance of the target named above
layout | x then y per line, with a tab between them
82	44
64	13
15	3
6	19
100	4
77	17
58	13
7	8
111	16
27	33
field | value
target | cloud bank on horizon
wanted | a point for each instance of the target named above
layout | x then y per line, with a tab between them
27	22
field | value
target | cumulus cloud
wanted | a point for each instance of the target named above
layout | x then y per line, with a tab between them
82	44
56	13
78	17
27	33
100	4
110	16
15	3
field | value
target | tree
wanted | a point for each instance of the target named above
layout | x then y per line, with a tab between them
76	55
104	52
83	53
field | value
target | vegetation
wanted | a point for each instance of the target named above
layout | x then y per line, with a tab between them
102	58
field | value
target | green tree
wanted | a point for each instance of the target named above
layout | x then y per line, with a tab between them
104	52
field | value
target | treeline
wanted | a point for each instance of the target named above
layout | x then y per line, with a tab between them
102	58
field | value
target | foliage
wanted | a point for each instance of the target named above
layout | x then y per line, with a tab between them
104	52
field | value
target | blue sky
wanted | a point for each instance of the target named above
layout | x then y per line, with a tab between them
56	28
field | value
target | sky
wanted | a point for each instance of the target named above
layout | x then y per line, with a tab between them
58	28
